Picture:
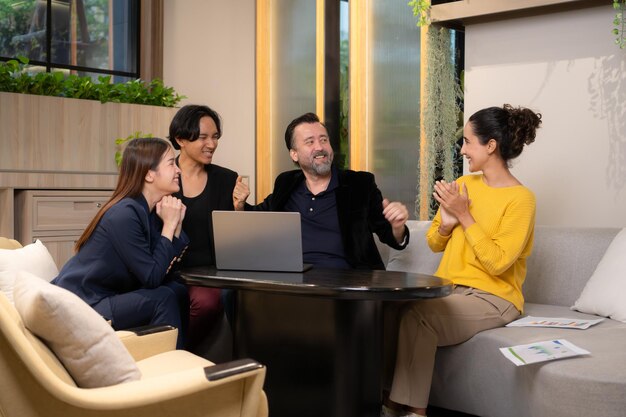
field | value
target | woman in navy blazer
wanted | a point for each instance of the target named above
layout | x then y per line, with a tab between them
124	255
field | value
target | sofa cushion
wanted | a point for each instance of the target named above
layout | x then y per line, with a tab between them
33	258
490	385
474	378
417	256
169	362
605	292
562	261
81	339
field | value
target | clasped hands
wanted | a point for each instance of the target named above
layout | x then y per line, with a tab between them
172	212
453	206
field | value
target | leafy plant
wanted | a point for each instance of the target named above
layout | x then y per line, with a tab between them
421	10
120	142
442	116
443	95
619	23
15	17
16	78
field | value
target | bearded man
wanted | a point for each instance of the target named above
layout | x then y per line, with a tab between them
339	209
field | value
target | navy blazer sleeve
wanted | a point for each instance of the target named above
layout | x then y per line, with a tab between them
130	232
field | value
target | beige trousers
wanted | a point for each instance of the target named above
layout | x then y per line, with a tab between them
427	324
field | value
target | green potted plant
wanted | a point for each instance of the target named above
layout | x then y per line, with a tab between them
421	10
16	78
120	142
441	113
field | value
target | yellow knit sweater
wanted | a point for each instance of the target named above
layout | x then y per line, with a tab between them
491	254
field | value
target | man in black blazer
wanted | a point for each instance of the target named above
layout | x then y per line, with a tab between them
340	209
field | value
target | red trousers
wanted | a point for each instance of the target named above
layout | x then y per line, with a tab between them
205	310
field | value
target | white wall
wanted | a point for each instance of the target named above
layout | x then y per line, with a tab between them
566	66
209	56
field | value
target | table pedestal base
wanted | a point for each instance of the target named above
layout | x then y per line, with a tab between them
323	356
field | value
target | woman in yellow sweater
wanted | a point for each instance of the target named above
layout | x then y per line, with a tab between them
485	228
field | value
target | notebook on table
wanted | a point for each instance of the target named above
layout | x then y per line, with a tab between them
258	241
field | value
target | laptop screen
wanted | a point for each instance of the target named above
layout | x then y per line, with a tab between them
258	241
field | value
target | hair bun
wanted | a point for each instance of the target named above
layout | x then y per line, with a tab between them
523	124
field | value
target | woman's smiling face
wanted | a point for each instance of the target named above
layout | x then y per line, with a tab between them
167	174
474	151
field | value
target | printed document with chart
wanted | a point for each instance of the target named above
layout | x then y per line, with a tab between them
565	323
542	351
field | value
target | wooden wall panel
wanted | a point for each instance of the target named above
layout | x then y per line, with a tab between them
60	143
54	134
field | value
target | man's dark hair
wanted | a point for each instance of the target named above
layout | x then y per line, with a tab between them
305	118
186	123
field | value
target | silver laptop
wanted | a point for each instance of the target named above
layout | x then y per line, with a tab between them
258	241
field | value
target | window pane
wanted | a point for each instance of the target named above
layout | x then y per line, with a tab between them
23	29
61	13
117	79
95	33
99	34
124	35
34	69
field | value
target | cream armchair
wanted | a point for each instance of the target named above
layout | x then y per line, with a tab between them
33	382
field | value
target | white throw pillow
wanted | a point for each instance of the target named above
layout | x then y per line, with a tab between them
33	258
81	339
605	292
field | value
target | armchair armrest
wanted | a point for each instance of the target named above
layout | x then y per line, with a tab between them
146	341
9	243
166	390
226	369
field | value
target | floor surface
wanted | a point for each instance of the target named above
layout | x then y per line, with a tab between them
440	412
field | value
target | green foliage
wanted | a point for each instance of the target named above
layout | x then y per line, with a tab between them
443	96
120	142
15	19
619	23
421	10
16	78
342	156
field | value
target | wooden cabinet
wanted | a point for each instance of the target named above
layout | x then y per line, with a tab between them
56	217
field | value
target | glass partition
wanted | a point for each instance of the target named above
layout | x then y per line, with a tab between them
293	71
393	94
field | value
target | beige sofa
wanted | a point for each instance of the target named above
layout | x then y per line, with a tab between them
475	378
34	382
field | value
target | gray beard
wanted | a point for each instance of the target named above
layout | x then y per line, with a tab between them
322	169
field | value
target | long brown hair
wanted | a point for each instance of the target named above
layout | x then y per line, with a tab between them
140	156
